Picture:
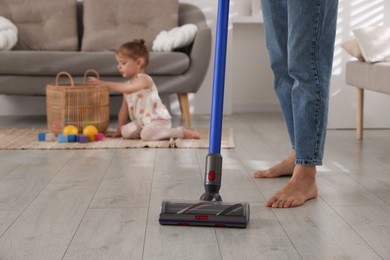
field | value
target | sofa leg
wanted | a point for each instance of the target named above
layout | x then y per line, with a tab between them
359	113
180	105
185	107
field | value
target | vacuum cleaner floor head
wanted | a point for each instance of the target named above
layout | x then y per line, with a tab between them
205	213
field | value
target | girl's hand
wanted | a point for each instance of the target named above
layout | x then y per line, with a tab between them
94	81
113	134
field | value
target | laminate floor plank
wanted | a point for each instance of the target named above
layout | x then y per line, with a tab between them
371	223
112	233
45	229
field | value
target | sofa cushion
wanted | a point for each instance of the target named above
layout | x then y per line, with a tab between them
109	24
369	76
45	63
178	37
374	42
352	48
8	34
42	24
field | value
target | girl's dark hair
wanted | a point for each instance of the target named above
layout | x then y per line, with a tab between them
135	49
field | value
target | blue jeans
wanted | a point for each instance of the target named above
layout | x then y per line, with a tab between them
300	36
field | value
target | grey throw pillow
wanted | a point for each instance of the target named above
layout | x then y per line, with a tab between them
42	24
108	24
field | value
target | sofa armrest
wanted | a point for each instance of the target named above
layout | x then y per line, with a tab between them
200	50
191	14
199	58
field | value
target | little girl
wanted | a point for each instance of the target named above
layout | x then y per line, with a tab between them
150	119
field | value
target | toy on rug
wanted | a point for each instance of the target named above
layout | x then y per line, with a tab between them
46	137
65	138
62	138
41	137
70	130
90	131
82	139
99	137
72	138
70	135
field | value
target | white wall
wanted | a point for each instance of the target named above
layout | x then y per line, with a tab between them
354	14
253	79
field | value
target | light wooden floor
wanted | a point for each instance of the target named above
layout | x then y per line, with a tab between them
104	204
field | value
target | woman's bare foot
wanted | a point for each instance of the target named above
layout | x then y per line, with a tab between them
301	187
190	134
284	168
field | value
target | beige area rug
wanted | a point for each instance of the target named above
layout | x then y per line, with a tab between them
27	139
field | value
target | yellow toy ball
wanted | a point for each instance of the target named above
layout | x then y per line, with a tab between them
70	130
90	131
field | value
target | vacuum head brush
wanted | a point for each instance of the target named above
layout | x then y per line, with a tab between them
204	213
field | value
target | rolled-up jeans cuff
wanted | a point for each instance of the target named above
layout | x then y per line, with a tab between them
308	162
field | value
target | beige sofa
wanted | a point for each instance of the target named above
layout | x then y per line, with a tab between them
369	76
27	70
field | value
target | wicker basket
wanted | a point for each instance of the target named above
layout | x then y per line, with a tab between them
77	104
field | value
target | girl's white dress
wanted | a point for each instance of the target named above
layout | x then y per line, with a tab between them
146	106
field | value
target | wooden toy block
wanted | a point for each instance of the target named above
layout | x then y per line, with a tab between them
72	138
82	139
42	137
99	137
62	138
50	137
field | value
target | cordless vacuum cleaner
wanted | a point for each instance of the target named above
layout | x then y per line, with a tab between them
210	210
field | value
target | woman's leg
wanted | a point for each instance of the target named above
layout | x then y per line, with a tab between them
276	29
131	130
311	30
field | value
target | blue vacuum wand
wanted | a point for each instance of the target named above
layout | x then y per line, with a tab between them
210	210
213	175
